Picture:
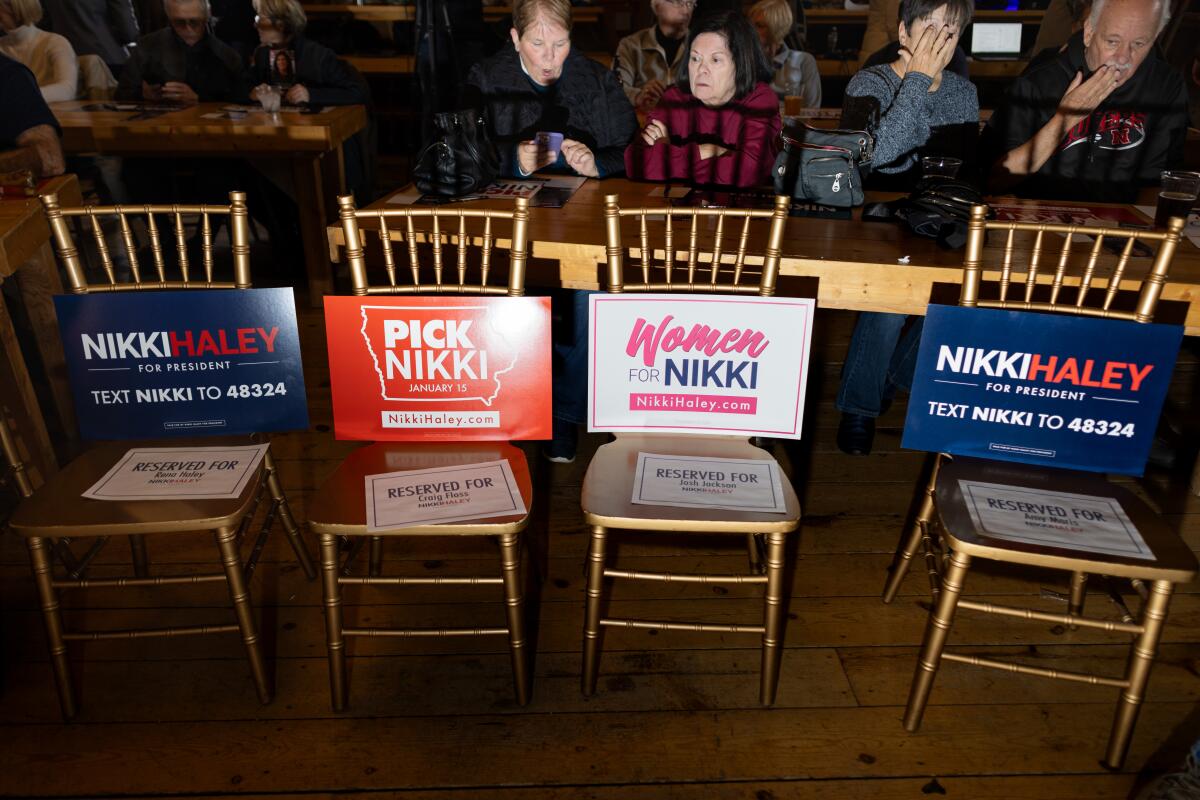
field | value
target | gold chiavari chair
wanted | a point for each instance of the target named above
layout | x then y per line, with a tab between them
426	234
706	265
56	510
943	527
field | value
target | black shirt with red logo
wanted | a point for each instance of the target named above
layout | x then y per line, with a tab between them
1138	131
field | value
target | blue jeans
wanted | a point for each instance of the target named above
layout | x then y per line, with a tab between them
570	358
877	362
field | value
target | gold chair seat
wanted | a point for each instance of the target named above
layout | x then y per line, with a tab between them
340	507
607	491
57	508
1173	561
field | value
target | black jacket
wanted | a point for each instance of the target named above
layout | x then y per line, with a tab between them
212	68
1137	132
586	104
329	80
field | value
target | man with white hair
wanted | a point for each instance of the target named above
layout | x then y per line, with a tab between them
184	62
1099	121
647	61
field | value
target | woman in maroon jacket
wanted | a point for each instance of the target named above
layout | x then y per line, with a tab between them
719	124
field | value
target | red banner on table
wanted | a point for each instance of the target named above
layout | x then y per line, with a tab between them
439	368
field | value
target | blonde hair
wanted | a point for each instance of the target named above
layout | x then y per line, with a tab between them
778	16
288	14
525	12
26	12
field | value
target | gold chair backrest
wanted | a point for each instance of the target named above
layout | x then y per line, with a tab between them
14	464
718	258
468	232
1078	300
176	215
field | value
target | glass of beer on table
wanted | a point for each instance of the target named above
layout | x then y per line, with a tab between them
1177	196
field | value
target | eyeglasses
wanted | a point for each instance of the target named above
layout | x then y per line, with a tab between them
195	24
688	4
265	22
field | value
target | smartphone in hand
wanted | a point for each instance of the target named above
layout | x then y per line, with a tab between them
548	141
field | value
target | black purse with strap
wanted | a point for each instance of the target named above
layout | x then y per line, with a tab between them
822	166
461	160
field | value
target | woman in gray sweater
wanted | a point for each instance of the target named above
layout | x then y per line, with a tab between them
913	107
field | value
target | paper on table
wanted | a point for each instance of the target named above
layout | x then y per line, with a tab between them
405	197
1055	519
733	484
174	473
1191	230
442	494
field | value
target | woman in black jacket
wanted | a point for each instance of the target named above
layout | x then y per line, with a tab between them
316	76
540	85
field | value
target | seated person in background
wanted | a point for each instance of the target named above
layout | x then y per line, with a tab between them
881	42
95	28
796	72
914	106
184	62
1099	121
719	124
28	131
647	61
318	76
541	85
48	55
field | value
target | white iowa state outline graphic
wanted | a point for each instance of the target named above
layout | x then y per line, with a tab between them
487	401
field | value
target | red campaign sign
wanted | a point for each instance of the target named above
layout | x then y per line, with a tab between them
439	368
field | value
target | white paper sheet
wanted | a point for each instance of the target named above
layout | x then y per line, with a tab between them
178	473
442	494
733	484
1191	230
1054	519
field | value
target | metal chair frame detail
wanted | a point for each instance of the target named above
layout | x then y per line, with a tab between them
946	559
711	269
448	232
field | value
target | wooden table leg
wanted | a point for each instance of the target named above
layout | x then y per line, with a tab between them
38	282
311	201
16	391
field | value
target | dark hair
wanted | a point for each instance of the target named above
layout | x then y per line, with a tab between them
750	64
959	11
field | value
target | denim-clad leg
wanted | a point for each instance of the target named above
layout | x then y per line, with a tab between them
877	361
570	355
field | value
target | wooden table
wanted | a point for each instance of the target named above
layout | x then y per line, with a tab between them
26	257
856	264
311	143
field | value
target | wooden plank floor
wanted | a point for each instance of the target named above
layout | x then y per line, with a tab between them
676	714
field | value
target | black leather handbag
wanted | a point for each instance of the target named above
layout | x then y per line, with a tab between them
461	160
822	166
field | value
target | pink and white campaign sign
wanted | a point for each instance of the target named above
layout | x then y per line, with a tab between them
720	364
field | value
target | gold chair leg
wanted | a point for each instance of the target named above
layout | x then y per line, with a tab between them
753	553
375	567
912	540
141	559
591	623
772	643
1078	594
1141	659
941	617
294	534
239	593
334	642
52	617
510	563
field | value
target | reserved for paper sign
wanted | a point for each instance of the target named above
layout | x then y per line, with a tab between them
442	494
734	484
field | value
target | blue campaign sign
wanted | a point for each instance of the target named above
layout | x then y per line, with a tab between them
183	363
1062	391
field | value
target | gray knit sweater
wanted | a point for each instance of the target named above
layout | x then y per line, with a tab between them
906	118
